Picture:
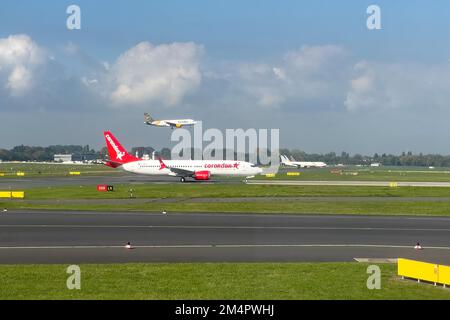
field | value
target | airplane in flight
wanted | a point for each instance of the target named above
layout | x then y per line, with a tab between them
168	123
196	169
301	164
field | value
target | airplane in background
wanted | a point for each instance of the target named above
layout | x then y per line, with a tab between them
301	164
196	169
168	123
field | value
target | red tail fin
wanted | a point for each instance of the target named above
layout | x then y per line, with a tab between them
116	152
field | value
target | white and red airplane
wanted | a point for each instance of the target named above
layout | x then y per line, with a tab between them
196	169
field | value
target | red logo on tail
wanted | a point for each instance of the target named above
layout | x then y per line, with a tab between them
116	152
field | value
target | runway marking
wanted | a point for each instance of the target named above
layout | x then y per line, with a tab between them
230	246
221	227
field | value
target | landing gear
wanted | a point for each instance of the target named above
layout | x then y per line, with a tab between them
182	179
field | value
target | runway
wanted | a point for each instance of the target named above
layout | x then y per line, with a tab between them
92	237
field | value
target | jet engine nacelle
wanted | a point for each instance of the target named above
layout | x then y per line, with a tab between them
201	175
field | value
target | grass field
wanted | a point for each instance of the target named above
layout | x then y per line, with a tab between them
211	281
199	190
30	169
317	207
436	201
354	173
232	198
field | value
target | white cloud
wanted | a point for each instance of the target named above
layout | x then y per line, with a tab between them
366	89
378	86
313	59
19	57
155	73
300	77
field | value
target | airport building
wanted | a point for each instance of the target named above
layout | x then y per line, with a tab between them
73	157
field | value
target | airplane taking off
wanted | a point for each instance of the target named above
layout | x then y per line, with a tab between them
196	169
301	164
168	123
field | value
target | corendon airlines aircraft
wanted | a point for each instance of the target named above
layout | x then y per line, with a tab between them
197	169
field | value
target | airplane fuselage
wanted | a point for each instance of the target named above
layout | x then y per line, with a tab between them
172	123
214	167
306	164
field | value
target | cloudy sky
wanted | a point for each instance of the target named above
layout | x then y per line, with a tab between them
310	68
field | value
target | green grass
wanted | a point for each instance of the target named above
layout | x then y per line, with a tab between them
211	281
366	174
388	201
229	191
10	169
423	208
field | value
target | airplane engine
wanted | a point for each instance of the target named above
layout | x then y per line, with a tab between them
201	175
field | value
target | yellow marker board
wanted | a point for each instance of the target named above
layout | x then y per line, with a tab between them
418	270
12	194
5	194
270	175
293	173
74	173
20	174
444	274
17	194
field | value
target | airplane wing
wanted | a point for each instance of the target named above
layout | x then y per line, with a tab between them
174	124
181	172
176	171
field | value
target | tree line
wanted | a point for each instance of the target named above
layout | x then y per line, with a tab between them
32	153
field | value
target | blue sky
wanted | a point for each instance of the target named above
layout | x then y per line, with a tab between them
238	29
310	68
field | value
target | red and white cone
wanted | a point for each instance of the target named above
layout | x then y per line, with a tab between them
128	245
418	246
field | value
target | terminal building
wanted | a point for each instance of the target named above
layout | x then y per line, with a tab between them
74	157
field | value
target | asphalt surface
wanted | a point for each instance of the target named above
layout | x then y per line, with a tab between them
92	237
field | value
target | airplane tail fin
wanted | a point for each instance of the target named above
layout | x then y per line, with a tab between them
284	159
148	118
117	153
